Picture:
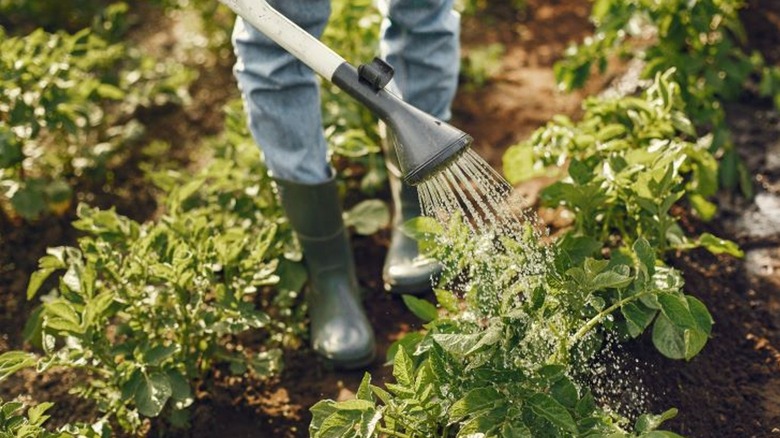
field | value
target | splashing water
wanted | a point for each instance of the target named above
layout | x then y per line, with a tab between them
471	189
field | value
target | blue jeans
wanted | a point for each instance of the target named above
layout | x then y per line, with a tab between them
420	39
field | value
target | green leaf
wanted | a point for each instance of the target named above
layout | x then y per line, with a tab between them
646	255
267	363
729	176
403	368
456	344
422	227
355	405
447	300
638	317
368	217
704	208
565	393
546	407
292	276
515	430
473	402
649	422
36	281
158	354
61	315
184	192
675	342
491	336
349	423
661	434
108	91
409	342
35	413
585	405
552	373
364	390
520	164
320	412
97	307
700	314
611	280
483	423
29	202
676	309
580	172
152	394
130	387
717	245
421	308
13	361
181	392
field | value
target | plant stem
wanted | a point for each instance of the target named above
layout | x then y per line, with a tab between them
601	315
389	432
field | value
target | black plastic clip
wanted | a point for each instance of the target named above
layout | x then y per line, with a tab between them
377	74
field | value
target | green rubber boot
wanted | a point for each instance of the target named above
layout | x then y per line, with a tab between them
405	270
340	331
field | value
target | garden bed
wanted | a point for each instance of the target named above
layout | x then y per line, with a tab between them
731	389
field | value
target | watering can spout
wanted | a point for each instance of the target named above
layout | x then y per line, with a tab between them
424	144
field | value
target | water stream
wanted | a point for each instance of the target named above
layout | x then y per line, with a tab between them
472	190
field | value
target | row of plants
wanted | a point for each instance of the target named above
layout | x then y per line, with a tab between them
69	110
704	41
146	311
629	160
18	420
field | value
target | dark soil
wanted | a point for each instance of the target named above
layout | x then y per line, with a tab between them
732	389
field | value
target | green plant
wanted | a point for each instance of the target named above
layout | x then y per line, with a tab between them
499	361
702	40
67	113
16	423
147	310
630	159
481	64
70	15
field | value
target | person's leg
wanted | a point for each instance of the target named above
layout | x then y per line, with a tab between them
283	105
420	39
282	95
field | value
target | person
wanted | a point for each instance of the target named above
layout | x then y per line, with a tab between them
420	39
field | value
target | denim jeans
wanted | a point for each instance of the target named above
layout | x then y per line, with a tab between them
419	38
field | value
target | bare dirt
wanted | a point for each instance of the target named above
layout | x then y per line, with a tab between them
732	389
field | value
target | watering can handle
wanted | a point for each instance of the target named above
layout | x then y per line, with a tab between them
288	35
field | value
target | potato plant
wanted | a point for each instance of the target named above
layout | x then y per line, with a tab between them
702	40
20	421
500	360
147	310
67	112
630	159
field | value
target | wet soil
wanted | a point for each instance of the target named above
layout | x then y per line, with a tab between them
732	389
